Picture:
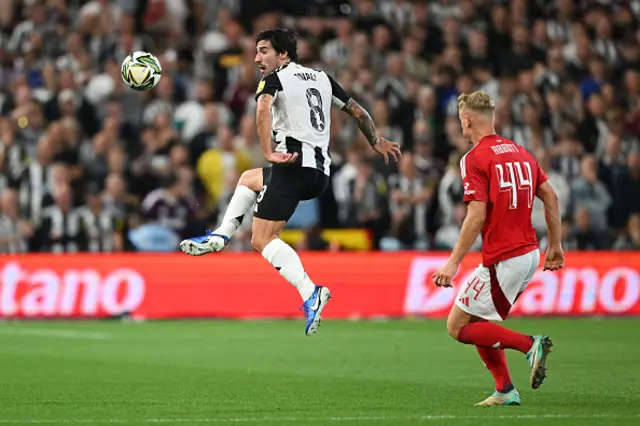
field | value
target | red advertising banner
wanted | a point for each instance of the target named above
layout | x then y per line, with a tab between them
244	285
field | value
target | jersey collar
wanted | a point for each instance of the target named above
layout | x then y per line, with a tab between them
283	66
488	137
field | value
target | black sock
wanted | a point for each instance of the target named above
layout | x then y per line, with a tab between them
506	389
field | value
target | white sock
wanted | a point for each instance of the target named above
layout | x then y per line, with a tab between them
286	260
240	204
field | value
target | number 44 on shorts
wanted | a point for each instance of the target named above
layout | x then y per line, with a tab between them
477	286
260	197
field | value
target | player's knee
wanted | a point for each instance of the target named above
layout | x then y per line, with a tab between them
251	179
455	323
453	329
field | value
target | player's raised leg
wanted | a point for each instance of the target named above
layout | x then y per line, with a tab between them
243	199
284	258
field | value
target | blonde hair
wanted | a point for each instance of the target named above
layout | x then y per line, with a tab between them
478	101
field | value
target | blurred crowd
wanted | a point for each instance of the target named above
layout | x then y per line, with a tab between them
88	164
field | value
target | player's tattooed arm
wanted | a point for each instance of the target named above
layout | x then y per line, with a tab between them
363	119
385	148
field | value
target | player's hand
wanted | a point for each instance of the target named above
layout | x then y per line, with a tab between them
387	148
282	158
443	277
554	259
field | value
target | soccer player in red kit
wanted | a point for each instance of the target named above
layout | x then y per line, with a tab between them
500	180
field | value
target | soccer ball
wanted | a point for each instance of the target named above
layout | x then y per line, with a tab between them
141	71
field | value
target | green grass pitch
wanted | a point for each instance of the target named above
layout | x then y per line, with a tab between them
269	373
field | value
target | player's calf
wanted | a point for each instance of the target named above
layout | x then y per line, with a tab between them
258	242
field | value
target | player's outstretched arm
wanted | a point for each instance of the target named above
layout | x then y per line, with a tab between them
555	257
367	127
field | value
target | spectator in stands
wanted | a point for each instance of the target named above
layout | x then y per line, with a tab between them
450	191
206	138
14	231
94	158
562	188
247	142
220	168
189	116
414	65
612	168
410	196
60	227
335	52
103	226
34	180
227	64
593	129
591	195
390	87
448	235
630	240
587	236
115	196
566	153
169	205
629	187
381	116
12	154
596	79
366	202
569	240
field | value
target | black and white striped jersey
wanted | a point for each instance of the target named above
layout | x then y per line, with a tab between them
301	112
60	232
101	228
33	185
15	156
11	242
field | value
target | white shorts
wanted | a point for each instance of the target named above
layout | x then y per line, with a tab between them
490	293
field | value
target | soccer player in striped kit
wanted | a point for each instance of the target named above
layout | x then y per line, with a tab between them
294	110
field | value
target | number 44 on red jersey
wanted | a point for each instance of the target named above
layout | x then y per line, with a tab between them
504	175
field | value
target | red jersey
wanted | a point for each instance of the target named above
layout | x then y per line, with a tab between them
506	177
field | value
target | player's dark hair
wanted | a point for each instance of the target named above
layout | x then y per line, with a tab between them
282	40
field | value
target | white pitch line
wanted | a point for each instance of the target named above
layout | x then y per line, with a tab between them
53	333
329	419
